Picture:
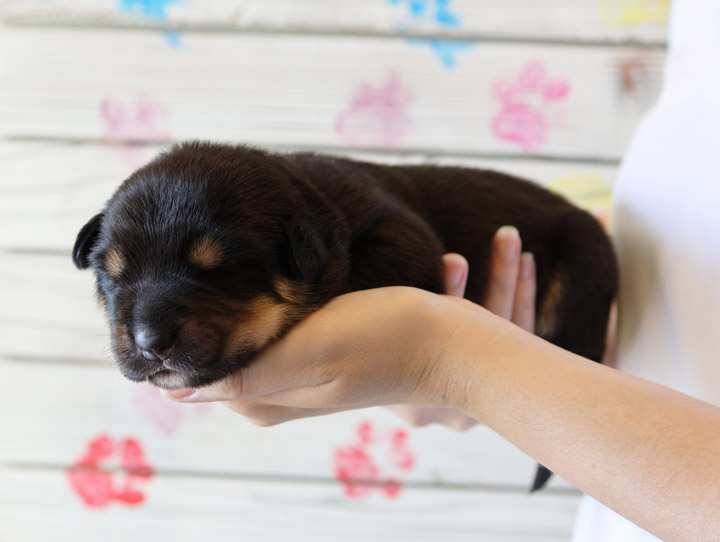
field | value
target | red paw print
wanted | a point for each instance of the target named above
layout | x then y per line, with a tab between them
374	462
527	102
377	116
97	487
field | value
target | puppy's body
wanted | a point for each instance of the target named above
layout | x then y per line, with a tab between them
403	218
211	252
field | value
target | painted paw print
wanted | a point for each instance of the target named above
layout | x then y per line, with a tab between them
98	487
377	116
438	10
374	462
528	102
156	9
164	414
140	120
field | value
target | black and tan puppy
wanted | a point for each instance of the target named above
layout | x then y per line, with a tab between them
210	252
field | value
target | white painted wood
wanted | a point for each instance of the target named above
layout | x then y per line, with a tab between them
611	20
38	505
332	92
64	406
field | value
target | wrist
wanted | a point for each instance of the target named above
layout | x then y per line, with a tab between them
452	354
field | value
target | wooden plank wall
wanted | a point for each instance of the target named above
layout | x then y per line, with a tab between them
90	89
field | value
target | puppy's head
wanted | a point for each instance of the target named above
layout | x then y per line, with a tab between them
205	256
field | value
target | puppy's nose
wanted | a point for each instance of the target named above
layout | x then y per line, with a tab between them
155	345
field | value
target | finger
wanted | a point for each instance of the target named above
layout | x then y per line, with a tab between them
421	416
524	306
264	415
504	267
414	416
455	273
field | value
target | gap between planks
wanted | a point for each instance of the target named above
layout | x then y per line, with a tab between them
299	479
427	154
325	32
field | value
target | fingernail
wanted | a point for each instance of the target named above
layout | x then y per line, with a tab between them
509	249
453	277
527	265
179	395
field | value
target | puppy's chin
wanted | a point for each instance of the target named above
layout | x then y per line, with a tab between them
172	380
175	380
197	377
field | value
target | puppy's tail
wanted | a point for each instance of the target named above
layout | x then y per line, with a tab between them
541	477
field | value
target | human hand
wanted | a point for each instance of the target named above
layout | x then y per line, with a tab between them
510	293
337	359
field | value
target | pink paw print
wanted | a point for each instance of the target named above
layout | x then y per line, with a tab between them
163	413
98	483
140	120
527	106
374	462
377	116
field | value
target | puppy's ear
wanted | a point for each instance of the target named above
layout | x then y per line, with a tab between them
306	253
85	242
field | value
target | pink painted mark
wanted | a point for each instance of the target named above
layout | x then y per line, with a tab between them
97	487
374	462
140	120
527	106
377	116
164	414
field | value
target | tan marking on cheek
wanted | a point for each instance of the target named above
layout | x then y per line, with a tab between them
114	263
121	343
265	319
290	291
547	315
206	253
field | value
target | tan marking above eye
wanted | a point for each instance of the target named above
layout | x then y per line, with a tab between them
114	263
206	253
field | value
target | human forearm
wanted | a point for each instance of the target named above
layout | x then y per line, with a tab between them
648	452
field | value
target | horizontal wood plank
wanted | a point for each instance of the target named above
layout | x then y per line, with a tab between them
329	92
66	406
40	505
583	20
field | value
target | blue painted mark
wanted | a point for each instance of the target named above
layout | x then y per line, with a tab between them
174	38
421	8
445	50
443	16
156	9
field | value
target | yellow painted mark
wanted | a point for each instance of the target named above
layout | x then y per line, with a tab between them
590	191
634	12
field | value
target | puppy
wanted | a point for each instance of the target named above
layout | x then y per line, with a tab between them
211	252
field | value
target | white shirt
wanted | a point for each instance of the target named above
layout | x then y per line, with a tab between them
667	232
